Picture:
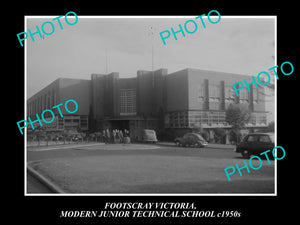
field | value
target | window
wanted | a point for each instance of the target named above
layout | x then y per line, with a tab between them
60	123
262	119
53	98
253	119
255	95
186	136
264	139
200	92
183	119
258	118
84	122
214	93
229	94
243	95
44	101
252	138
127	102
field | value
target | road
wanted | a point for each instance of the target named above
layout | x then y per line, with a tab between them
138	168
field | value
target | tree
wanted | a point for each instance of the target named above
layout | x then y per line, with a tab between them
237	116
220	135
269	128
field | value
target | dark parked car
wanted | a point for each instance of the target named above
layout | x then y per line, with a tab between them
146	136
191	139
255	143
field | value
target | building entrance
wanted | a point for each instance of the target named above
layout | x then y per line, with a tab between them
119	124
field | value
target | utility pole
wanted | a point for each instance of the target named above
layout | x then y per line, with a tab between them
152	54
106	63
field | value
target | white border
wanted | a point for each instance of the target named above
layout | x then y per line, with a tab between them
144	194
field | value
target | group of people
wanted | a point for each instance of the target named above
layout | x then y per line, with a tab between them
115	136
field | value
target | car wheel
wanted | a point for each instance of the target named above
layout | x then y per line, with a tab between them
197	145
245	154
178	143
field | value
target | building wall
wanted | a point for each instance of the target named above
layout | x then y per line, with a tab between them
97	96
111	98
160	90
177	93
104	95
207	89
183	99
138	99
44	99
150	92
199	98
58	92
78	90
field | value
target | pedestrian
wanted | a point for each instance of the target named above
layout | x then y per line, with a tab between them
114	136
104	136
117	136
107	136
121	136
126	136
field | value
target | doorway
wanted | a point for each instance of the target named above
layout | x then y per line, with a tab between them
119	124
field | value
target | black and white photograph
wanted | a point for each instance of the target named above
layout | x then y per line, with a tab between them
150	117
136	118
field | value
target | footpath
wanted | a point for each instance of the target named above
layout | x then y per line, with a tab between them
62	146
66	146
210	145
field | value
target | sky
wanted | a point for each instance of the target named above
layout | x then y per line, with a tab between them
235	45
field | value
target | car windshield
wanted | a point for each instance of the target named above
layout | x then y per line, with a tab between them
186	135
264	138
150	132
252	138
199	136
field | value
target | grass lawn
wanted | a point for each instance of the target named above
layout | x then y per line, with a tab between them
153	174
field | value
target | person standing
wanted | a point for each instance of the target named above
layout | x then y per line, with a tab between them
117	136
121	136
107	136
114	136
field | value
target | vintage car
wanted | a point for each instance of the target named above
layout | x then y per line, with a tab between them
146	136
191	139
255	143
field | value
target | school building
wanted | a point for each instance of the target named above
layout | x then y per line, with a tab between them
171	104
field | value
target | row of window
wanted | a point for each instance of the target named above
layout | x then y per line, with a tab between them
214	93
189	119
45	101
127	102
258	138
128	97
71	122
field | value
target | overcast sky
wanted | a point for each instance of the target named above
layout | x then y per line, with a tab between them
235	45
